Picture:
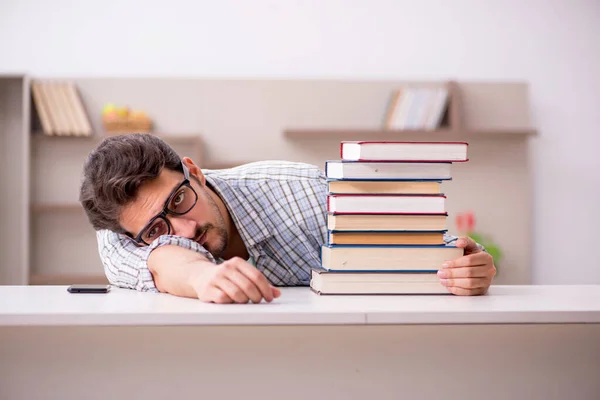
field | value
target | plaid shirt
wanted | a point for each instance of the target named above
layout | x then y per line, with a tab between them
279	208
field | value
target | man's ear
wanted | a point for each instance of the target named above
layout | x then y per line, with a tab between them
194	169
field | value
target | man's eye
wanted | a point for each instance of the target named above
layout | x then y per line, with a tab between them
179	198
152	232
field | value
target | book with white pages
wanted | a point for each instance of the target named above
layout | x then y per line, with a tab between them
418	171
404	151
385	204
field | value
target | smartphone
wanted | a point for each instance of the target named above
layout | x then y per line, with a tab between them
82	288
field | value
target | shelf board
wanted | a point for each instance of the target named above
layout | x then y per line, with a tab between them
96	137
58	207
383	134
58	279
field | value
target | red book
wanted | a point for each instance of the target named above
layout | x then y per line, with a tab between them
385	204
404	151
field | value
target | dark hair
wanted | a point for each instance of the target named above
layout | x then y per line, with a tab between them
114	171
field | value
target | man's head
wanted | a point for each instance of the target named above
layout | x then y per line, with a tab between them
136	184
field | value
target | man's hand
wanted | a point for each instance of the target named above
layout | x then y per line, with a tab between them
470	274
234	281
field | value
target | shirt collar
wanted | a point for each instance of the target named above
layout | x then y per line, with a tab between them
240	210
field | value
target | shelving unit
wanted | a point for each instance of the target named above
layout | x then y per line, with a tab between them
59	225
411	135
46	238
14	179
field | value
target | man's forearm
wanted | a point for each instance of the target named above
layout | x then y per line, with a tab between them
176	269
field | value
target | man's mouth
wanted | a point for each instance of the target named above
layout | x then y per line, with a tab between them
202	239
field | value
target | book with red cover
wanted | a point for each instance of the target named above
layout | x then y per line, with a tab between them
386	204
404	151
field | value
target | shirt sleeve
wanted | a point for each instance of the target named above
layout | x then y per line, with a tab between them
126	264
451	239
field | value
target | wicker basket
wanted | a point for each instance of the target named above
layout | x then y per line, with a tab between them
128	124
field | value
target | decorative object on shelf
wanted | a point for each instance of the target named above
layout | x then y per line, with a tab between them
59	109
121	120
465	223
418	108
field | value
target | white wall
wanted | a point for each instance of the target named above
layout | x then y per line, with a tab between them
554	45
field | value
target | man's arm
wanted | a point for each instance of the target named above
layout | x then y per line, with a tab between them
181	267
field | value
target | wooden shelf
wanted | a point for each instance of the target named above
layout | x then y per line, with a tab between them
97	137
59	207
49	279
383	134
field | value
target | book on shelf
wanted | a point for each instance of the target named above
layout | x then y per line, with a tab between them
420	108
398	258
385	204
403	151
386	237
381	283
387	222
383	187
359	170
60	109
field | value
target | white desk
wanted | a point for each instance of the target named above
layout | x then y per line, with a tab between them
516	342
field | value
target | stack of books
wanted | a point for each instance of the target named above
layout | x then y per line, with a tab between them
387	218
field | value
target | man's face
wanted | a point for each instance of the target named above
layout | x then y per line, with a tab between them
204	223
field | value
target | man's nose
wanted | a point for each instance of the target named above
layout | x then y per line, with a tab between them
183	227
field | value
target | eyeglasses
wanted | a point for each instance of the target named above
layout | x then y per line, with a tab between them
180	202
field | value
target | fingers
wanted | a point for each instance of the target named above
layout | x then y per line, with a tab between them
466	283
468	244
475	259
248	287
467	272
468	275
231	290
215	295
467	292
256	277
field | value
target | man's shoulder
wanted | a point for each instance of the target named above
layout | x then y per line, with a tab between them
266	171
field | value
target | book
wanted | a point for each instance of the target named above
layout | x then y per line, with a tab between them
387	257
386	204
387	222
343	170
404	151
386	237
60	109
327	282
384	187
437	109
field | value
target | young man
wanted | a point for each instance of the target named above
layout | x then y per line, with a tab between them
227	236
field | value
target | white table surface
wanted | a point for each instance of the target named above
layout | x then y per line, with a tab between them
54	306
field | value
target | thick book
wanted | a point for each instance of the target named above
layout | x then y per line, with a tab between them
385	204
386	237
387	257
384	187
386	171
404	151
327	282
387	222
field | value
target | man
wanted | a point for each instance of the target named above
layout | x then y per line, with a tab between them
228	236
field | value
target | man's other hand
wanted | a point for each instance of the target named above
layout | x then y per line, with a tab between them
234	281
470	274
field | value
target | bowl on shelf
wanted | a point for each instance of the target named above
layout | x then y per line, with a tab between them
118	121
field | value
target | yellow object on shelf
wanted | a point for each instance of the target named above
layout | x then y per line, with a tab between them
120	120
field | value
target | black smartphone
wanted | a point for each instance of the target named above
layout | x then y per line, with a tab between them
82	288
